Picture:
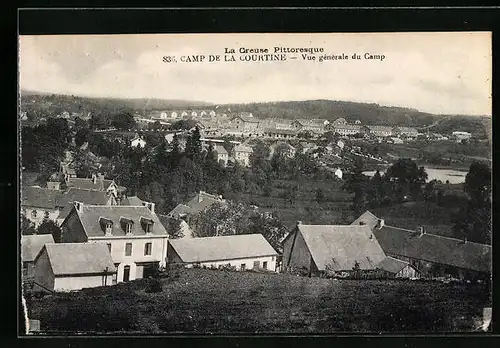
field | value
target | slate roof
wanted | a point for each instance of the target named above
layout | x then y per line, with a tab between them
88	184
85	196
222	248
434	248
32	244
220	150
132	200
181	209
243	148
341	246
368	218
79	258
392	265
90	216
42	198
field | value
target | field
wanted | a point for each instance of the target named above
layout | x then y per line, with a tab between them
215	301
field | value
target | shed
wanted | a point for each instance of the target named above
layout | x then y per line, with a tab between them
73	266
398	268
30	247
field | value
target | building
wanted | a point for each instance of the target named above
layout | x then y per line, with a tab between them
283	148
408	132
30	247
459	136
380	131
137	142
97	182
308	126
280	133
432	255
134	235
338	248
40	204
242	154
73	266
222	154
245	251
91	197
245	123
344	129
339	121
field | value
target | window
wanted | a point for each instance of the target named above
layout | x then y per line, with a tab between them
109	247
109	228
33	213
264	265
242	266
147	248
128	228
149	228
128	249
256	264
126	273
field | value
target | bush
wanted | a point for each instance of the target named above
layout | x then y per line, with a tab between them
154	286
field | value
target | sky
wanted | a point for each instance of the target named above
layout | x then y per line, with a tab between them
443	73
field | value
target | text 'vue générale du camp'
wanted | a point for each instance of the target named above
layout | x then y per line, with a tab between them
243	54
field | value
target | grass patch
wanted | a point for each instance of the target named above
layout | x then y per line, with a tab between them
205	301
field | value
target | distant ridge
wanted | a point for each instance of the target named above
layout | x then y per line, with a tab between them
42	103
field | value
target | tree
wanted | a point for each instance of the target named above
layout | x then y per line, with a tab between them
50	227
259	156
290	194
124	121
193	146
27	227
356	183
407	178
320	195
478	183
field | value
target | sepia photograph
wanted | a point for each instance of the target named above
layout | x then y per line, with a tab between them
255	183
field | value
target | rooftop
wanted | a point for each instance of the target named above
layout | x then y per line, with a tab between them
222	248
341	246
91	217
434	248
79	258
32	244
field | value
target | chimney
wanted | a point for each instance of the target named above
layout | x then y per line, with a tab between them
465	240
78	206
94	178
380	223
299	223
150	206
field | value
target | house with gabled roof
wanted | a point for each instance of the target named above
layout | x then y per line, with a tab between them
73	266
245	123
97	182
40	204
245	251
134	235
432	255
318	248
222	154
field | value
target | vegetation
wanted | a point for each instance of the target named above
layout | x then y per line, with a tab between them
204	301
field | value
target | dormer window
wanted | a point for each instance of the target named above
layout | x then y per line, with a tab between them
147	225
106	225
127	225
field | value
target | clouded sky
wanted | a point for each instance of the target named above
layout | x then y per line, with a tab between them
447	73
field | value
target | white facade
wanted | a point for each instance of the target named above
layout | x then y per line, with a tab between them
38	215
71	283
138	142
241	264
138	257
163	115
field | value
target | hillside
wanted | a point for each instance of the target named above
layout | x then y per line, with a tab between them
367	113
46	104
53	104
